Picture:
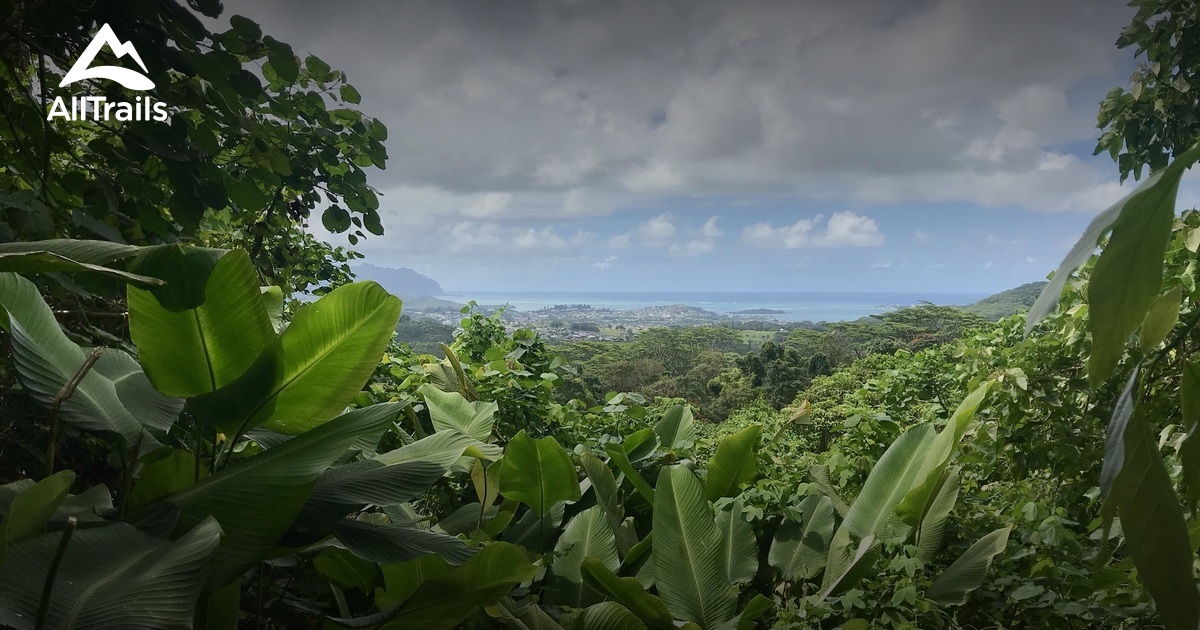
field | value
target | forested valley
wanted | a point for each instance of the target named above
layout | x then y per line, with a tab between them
206	422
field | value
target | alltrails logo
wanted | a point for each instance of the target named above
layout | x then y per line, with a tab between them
98	108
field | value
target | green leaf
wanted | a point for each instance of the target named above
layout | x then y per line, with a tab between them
46	360
392	543
347	571
1152	520
896	473
931	528
256	500
739	548
733	465
313	370
968	572
939	454
46	262
32	508
604	487
1146	205
451	411
273	302
587	535
336	219
1160	319
317	68
538	473
629	593
1189	451
199	350
799	549
676	430
619	457
349	94
109	577
820	476
755	608
163	476
282	59
847	564
442	602
690	577
607	616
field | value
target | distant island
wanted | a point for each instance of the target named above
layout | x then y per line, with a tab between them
760	311
401	281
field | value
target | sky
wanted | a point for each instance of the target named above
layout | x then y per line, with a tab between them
706	145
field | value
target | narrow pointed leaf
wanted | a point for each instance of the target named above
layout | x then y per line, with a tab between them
629	593
968	572
739	548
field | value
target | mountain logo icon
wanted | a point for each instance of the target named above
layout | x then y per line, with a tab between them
129	78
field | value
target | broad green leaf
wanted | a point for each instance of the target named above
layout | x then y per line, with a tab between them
315	367
896	473
739	548
536	533
733	465
676	430
1144	204
847	564
443	602
939	454
102	253
690	577
604	486
820	476
272	298
401	580
1152	521
256	500
931	528
109	577
629	593
538	473
165	475
968	572
46	262
46	360
755	608
391	543
346	570
32	507
621	459
1115	439
607	616
640	444
1160	319
799	549
587	535
452	412
1189	405
199	350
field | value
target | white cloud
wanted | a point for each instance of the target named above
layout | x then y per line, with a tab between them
710	229
844	229
693	248
921	238
656	230
882	265
606	263
620	241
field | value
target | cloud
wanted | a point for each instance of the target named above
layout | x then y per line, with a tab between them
620	241
882	265
867	100
843	229
656	230
604	264
710	229
921	238
693	248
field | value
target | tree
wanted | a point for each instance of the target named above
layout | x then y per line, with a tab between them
256	141
1156	118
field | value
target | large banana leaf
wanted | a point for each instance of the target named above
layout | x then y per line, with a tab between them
72	255
969	570
607	616
847	564
799	549
538	473
676	430
604	486
932	527
896	473
733	465
629	593
739	549
690	577
199	350
314	368
31	506
587	535
46	360
256	500
109	577
441	603
451	411
391	543
938	455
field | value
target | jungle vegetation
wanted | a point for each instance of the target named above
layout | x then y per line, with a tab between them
185	444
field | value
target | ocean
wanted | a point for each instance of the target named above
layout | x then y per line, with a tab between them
792	306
